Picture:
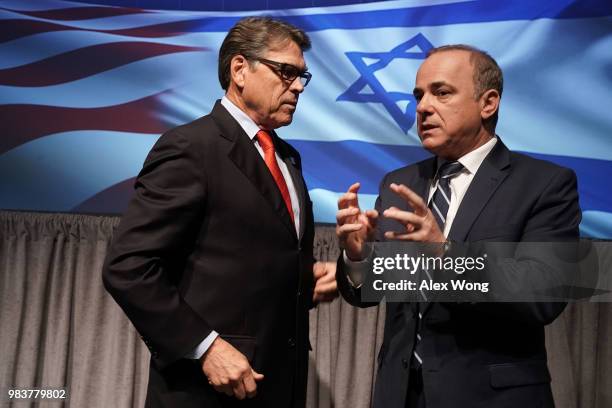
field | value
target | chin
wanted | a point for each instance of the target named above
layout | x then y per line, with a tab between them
434	145
285	121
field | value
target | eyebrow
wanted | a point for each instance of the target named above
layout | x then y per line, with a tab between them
439	84
296	66
433	85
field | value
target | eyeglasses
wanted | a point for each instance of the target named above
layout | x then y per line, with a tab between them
287	71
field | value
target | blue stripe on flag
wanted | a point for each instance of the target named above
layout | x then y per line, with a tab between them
333	166
435	15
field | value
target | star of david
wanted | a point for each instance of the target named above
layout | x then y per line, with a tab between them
355	92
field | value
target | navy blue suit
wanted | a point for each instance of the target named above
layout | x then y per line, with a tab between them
482	354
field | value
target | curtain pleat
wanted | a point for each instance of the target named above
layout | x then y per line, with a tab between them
60	329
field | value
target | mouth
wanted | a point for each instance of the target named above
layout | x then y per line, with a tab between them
428	126
290	105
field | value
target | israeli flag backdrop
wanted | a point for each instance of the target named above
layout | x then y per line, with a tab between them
86	90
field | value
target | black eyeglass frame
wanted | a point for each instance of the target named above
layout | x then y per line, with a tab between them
281	68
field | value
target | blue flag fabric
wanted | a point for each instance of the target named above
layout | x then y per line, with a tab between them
85	91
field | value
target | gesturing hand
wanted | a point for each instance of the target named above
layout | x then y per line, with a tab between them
421	225
229	371
354	227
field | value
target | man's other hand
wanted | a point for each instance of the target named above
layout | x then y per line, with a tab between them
325	289
421	225
229	371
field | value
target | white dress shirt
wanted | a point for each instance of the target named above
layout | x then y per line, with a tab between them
251	129
460	182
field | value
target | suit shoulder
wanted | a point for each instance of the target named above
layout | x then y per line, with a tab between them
197	130
537	167
411	170
187	140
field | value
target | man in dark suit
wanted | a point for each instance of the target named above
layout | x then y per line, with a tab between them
461	354
213	259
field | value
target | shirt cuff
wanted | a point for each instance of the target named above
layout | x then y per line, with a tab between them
199	351
357	270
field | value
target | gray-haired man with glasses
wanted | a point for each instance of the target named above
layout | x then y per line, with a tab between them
213	259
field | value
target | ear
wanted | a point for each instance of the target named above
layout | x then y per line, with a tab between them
238	67
489	103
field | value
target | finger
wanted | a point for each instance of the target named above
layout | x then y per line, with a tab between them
347	200
238	388
352	195
372	219
318	270
347	228
371	214
250	387
404	217
409	227
354	188
343	215
256	375
330	267
415	201
327	288
226	389
322	286
325	279
404	236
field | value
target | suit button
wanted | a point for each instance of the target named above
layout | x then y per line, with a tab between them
291	342
404	363
298	294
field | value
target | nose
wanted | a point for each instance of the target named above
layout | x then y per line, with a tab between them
424	105
297	86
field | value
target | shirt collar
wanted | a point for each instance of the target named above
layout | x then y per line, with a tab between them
246	123
471	161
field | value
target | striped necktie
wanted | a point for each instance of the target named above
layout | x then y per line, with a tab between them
442	196
439	205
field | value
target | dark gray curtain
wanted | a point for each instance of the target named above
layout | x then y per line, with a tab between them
59	328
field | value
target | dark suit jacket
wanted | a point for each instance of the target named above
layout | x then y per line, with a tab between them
482	354
207	244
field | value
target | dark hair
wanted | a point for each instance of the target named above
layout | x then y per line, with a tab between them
487	74
251	37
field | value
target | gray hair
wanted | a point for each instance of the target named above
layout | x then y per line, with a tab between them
251	37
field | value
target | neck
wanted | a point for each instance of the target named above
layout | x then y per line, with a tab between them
482	137
235	97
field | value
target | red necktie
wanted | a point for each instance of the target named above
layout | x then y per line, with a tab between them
265	141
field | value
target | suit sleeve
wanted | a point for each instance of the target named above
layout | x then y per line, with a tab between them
147	256
556	215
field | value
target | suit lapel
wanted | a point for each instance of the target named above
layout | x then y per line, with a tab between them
427	171
492	172
246	157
